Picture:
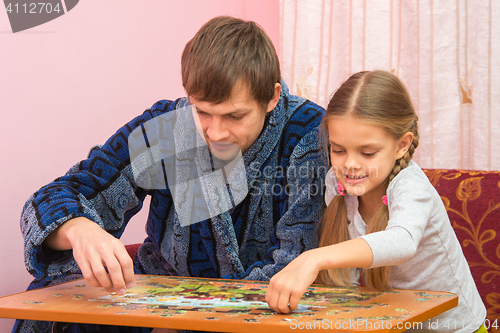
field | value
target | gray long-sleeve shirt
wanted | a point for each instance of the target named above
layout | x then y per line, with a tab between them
421	246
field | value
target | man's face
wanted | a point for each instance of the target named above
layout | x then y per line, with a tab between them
231	125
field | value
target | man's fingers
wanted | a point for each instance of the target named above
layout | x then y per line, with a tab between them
120	267
100	273
108	273
103	259
115	274
127	266
88	274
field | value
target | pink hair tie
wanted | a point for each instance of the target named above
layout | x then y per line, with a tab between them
341	189
384	200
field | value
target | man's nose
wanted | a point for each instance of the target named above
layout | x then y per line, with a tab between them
217	129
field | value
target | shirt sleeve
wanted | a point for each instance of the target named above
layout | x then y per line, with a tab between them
100	188
410	206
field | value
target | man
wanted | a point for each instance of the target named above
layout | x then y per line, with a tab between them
241	109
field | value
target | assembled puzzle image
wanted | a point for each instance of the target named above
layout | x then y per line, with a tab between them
226	306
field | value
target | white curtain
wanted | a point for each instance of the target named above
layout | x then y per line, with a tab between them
446	51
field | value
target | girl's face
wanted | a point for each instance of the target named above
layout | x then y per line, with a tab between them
363	155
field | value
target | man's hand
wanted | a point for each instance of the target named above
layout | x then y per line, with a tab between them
94	250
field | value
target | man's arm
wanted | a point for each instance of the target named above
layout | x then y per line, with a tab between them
86	210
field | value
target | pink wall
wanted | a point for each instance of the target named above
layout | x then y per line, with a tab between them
70	83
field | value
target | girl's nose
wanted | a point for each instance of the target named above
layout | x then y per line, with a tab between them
351	162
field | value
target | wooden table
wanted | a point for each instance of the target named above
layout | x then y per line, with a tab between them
226	306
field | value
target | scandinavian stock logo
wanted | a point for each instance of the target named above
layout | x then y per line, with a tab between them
169	153
24	15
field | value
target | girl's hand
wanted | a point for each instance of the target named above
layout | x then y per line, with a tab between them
287	286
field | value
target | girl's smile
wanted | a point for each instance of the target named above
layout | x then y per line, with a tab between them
353	180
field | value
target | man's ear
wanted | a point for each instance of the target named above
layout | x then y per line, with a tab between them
404	144
274	101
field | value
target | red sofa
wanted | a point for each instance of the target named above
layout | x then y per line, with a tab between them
472	199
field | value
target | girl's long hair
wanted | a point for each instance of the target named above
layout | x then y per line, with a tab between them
380	98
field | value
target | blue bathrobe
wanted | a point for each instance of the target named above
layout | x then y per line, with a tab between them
256	238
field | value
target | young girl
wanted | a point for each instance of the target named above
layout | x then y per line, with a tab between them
383	214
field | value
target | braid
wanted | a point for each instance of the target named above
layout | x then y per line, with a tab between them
404	161
379	277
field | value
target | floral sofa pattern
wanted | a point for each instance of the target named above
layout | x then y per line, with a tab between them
472	199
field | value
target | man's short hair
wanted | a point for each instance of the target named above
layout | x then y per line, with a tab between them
225	50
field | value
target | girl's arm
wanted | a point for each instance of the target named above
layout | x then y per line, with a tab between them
287	286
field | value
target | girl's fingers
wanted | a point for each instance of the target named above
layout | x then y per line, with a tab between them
272	297
278	294
294	301
269	293
284	293
283	302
